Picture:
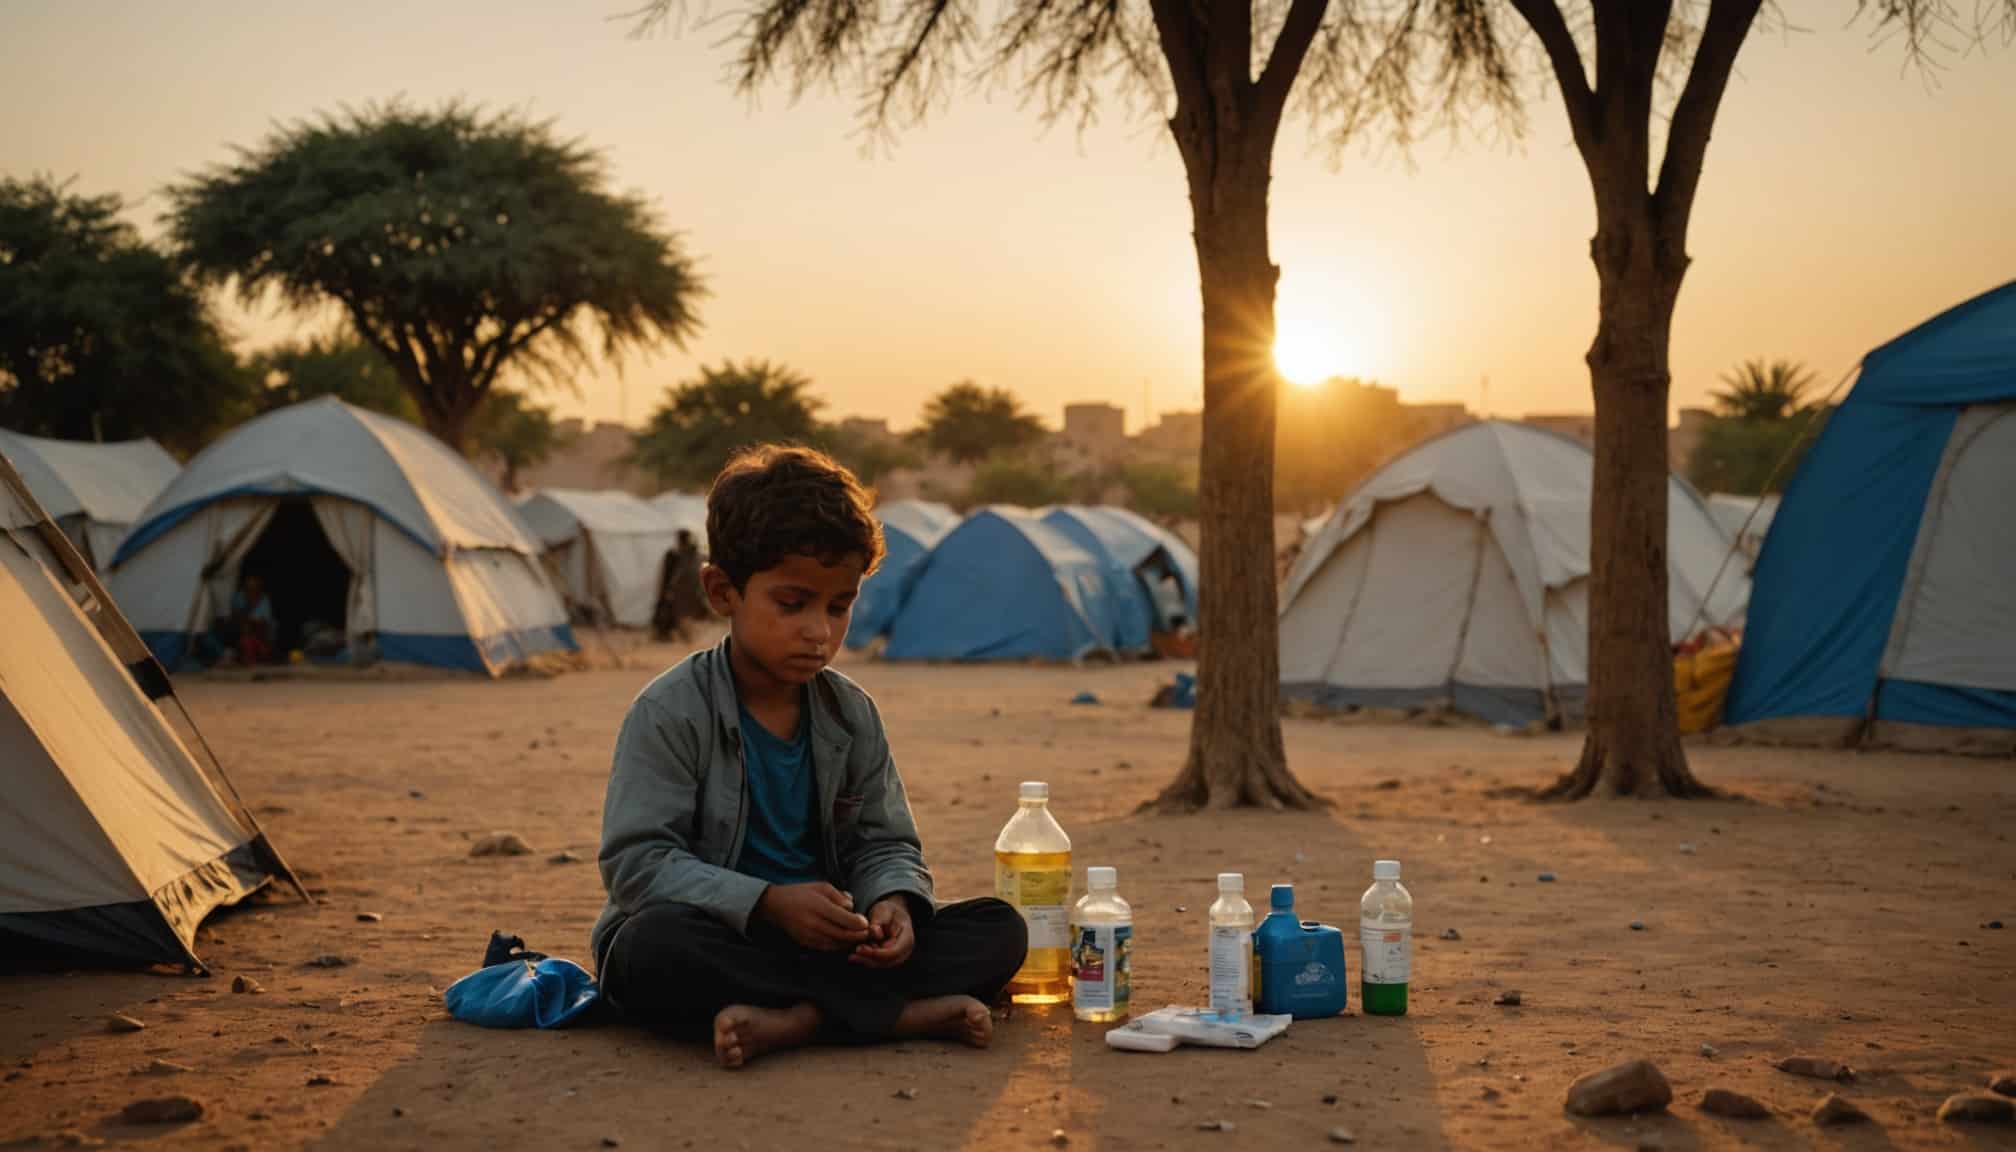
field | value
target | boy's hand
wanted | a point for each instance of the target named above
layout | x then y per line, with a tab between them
891	938
817	915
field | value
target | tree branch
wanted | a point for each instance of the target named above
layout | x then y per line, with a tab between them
1284	61
1544	17
1694	115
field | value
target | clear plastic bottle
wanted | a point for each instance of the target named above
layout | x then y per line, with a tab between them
1386	936
1032	871
1102	949
1233	973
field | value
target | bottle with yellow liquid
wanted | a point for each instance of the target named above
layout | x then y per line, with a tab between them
1032	871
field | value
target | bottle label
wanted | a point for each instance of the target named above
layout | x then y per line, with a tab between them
1040	895
1102	966
1232	971
1387	953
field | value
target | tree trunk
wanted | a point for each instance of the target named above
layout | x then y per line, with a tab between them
1236	756
1633	742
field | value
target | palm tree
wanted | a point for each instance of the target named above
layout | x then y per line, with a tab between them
1763	390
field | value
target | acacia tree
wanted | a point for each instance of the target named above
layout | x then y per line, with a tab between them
1640	255
969	424
458	245
1221	71
704	421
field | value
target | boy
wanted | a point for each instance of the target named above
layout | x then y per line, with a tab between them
766	884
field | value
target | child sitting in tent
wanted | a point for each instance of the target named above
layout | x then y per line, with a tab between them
766	883
251	621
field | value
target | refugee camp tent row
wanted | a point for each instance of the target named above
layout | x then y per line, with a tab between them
361	526
1004	585
94	492
115	842
603	550
1885	598
1457	575
910	529
1137	556
686	511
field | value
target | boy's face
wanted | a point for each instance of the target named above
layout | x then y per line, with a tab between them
789	620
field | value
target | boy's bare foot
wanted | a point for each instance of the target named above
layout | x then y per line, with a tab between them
742	1033
960	1018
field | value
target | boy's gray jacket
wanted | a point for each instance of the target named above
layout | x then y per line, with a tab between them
674	818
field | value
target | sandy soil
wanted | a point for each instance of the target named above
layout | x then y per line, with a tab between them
1836	908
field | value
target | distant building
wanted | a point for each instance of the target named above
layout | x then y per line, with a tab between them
867	431
587	457
1098	431
1176	437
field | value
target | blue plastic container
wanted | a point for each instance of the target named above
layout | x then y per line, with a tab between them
1301	962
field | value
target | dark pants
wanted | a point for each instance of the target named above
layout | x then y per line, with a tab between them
673	967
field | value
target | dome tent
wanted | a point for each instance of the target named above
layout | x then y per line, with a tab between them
1004	586
1886	590
93	492
910	529
1458	574
604	549
357	521
115	842
1133	550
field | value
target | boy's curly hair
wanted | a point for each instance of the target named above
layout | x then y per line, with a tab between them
774	500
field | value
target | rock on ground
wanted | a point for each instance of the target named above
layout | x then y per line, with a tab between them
2003	1083
163	1110
1634	1086
120	1022
1978	1108
501	844
1723	1102
1817	1068
1835	1110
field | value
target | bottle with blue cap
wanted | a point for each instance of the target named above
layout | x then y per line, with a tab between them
1301	962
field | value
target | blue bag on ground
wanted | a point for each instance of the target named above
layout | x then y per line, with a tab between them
544	993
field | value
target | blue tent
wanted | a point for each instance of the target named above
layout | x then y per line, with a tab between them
1124	543
910	529
1004	586
1887	586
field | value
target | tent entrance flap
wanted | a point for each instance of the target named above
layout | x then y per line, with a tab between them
303	574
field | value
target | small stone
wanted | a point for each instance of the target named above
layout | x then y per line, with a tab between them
246	986
564	858
159	1067
72	1138
163	1110
1059	1137
1546	878
1329	1098
369	918
2003	1083
1637	925
1451	934
1634	1086
1686	850
1509	999
1490	1093
1978	1108
1342	1136
611	1142
1216	1126
397	1112
329	960
120	1022
1387	786
1834	1110
1816	1068
1709	1051
501	844
1262	1105
416	793
905	1093
1723	1102
1993	925
319	1081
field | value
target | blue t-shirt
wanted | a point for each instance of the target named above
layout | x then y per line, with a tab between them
781	844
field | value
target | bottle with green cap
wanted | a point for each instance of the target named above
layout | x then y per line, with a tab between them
1386	935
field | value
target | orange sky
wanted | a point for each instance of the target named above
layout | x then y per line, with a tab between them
1845	198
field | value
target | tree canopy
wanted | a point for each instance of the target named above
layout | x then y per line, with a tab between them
969	424
1763	390
458	244
340	365
515	431
101	337
704	421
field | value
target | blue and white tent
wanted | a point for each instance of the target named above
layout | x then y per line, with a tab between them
1005	586
1129	548
1887	587
355	520
910	529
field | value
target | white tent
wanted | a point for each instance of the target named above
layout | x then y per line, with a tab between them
604	549
1458	574
94	492
687	511
357	521
1734	515
115	842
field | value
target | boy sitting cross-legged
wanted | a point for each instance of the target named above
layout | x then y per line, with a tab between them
766	884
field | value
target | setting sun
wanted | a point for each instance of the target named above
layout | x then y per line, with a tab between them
1307	356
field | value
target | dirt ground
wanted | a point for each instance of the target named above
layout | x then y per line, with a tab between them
1836	908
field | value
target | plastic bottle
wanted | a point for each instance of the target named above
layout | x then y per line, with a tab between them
1102	949
1233	973
1301	962
1032	871
1386	935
